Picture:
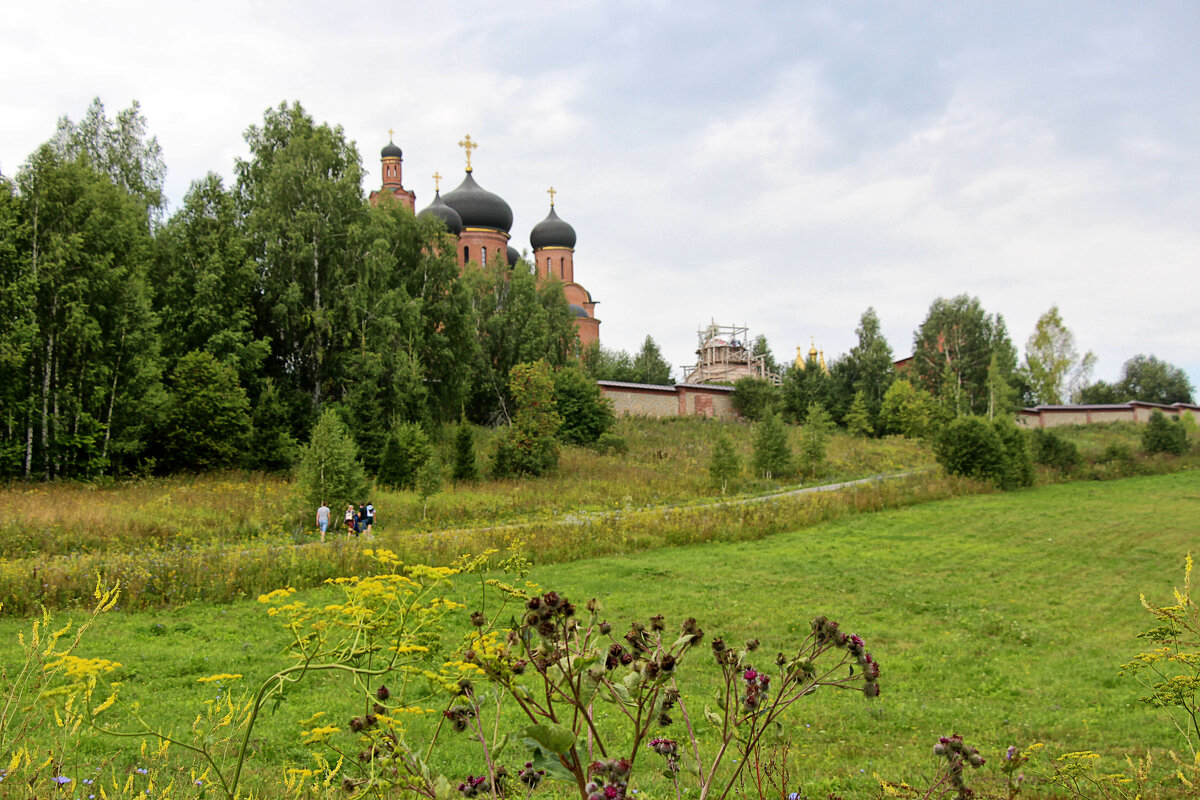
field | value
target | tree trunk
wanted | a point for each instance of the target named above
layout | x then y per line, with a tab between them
29	423
317	327
112	397
46	407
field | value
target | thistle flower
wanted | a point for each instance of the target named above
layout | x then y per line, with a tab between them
382	693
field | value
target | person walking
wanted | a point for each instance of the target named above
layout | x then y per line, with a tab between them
349	520
370	516
323	520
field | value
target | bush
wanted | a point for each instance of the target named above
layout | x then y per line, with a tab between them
909	411
772	453
970	447
586	413
1117	452
1164	436
207	419
329	468
1016	464
1051	450
611	443
858	418
814	438
753	397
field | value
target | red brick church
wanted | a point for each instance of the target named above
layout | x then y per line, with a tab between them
482	221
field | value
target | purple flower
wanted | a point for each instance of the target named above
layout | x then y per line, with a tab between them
61	780
750	674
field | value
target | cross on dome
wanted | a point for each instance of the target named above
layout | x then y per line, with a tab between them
468	145
391	133
437	181
551	192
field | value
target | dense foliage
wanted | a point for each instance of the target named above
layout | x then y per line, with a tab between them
265	302
1162	435
995	451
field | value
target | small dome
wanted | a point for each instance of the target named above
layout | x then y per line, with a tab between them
578	312
391	151
552	232
478	207
513	256
445	213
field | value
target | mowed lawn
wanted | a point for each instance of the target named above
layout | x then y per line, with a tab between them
1004	618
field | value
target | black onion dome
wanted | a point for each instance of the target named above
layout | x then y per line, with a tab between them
513	256
445	213
478	207
577	311
391	151
552	232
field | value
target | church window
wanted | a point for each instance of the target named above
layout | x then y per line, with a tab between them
483	256
562	268
466	254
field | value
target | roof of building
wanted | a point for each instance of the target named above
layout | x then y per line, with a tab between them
390	150
1110	407
552	232
667	387
478	207
443	212
513	256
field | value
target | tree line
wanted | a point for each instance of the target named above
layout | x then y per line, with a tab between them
135	342
964	363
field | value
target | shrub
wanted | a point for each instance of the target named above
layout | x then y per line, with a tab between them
586	413
1164	436
329	468
970	447
753	397
272	446
1051	450
611	443
1016	464
909	411
465	467
429	480
772	453
724	466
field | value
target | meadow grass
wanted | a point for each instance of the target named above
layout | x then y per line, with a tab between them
1003	617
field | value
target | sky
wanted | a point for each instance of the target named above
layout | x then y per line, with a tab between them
779	165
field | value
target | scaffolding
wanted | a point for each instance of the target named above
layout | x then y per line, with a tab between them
724	355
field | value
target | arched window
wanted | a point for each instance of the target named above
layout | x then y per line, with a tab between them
562	268
483	256
466	254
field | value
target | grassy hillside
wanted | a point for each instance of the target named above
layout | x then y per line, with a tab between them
1001	617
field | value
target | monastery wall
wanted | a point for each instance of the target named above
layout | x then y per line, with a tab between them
648	400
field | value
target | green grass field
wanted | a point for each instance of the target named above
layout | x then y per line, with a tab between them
1003	617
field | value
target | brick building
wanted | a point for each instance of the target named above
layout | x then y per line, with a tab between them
482	222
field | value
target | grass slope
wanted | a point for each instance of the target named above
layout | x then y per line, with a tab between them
1001	617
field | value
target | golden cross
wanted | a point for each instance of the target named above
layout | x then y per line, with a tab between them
437	185
468	145
551	192
391	133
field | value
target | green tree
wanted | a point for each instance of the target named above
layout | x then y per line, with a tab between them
870	365
300	194
763	348
429	480
330	471
465	467
814	439
207	417
1053	365
724	466
404	453
752	397
952	350
1154	381
772	452
909	411
586	414
1016	461
603	364
970	446
519	322
803	386
19	333
528	445
205	282
649	366
91	383
118	148
272	446
858	418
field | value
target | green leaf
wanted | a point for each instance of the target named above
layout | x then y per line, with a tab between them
549	762
621	693
682	641
443	789
555	738
498	748
713	717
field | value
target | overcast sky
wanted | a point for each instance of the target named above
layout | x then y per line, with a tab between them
782	165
